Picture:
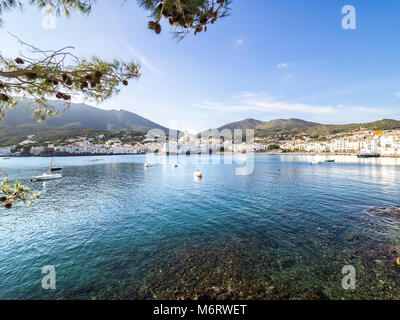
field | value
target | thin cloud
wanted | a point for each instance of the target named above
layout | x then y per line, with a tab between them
239	42
143	60
264	103
282	65
244	94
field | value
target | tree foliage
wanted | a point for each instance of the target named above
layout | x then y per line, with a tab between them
59	75
54	6
12	192
186	16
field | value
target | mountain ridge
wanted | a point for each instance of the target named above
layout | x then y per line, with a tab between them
294	126
79	116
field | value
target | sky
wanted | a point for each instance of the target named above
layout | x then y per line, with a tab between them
268	60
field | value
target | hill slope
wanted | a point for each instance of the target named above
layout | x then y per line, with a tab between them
273	125
244	124
327	130
301	127
286	124
78	116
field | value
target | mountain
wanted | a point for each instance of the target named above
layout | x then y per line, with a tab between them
298	127
273	125
285	124
330	129
244	124
77	116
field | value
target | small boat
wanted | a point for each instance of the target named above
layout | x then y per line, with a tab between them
316	162
48	176
175	165
330	160
198	174
6	158
369	155
148	164
53	167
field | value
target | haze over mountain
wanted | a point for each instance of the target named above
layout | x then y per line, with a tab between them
78	116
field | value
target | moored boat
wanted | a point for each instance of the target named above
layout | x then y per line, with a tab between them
53	167
369	155
48	176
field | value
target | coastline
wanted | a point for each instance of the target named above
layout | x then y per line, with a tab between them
310	154
63	155
162	154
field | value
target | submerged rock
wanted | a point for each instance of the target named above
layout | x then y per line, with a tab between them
391	212
352	237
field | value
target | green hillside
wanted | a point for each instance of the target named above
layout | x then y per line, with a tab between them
327	130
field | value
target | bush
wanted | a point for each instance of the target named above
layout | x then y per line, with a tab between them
273	147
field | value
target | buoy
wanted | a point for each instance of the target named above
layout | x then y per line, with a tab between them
398	262
175	165
198	174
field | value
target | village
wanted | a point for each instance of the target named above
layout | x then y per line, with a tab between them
382	143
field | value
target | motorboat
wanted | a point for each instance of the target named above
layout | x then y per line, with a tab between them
148	164
48	176
330	160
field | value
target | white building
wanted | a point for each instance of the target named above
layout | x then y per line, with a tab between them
5	151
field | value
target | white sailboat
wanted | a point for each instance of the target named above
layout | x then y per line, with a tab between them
53	167
48	176
51	175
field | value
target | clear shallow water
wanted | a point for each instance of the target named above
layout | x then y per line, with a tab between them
115	230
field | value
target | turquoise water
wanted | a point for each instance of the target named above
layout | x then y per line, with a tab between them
115	230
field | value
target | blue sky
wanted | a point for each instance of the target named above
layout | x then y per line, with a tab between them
275	59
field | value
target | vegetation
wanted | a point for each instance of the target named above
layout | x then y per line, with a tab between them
15	191
272	147
61	136
58	74
186	16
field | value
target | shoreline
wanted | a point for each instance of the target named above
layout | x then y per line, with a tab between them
72	155
309	154
63	155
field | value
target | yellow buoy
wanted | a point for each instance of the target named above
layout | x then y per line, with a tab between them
398	262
